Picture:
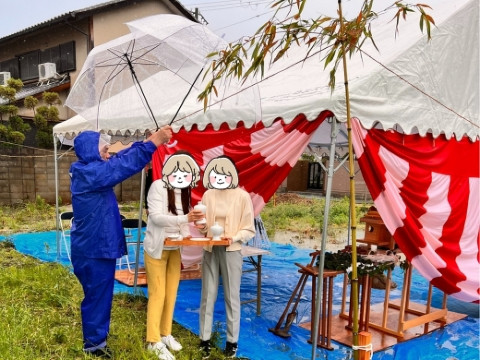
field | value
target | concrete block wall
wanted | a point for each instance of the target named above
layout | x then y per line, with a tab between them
26	173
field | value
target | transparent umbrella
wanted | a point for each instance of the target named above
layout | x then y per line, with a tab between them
152	76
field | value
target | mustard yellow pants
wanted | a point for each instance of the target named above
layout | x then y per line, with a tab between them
163	277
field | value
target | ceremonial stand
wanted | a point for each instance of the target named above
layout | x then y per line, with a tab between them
324	331
379	247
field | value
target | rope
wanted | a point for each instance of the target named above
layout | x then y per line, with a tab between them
68	152
368	347
418	89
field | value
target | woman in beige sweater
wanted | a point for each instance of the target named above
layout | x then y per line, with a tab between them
230	207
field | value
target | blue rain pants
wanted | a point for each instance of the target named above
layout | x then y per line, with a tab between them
97	277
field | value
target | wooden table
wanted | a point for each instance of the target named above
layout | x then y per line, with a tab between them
249	253
252	256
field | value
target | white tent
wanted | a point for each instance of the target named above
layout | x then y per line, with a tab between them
412	83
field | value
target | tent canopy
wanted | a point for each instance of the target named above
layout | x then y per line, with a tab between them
411	84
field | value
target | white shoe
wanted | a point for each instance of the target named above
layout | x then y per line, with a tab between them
161	351
171	343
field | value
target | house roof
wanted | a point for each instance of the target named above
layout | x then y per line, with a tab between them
86	12
32	89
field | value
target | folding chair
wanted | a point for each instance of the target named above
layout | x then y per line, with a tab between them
128	226
63	218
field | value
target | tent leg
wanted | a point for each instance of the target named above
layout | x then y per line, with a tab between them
331	164
56	195
139	232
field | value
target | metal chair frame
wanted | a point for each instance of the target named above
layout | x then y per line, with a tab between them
64	216
128	225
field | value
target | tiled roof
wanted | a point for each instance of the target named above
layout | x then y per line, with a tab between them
39	87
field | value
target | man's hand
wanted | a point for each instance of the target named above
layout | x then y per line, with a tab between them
161	136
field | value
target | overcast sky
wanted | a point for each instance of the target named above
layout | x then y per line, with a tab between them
232	18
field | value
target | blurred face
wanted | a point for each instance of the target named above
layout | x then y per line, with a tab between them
104	154
180	179
219	181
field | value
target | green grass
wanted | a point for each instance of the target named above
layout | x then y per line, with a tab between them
40	216
290	212
40	312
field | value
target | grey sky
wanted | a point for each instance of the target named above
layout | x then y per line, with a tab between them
234	18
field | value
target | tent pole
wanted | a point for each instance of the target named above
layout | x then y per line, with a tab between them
139	232
321	264
56	195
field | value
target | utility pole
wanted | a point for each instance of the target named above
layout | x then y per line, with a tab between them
198	16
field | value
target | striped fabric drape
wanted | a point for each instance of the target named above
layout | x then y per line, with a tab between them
427	191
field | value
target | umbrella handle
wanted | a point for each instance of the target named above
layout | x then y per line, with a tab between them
170	145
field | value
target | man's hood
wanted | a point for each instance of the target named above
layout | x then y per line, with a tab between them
86	146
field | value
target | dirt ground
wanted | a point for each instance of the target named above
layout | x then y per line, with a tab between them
333	243
336	240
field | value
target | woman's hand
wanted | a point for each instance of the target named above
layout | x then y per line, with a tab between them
195	215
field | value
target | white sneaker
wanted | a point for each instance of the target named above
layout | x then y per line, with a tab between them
161	351
171	343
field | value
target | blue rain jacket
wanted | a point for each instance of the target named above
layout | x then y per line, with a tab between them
97	230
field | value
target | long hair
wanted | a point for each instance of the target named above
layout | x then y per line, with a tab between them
186	200
180	160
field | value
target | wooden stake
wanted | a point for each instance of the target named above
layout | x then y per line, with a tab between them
364	338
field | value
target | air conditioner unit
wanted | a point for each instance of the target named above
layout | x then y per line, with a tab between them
4	76
46	71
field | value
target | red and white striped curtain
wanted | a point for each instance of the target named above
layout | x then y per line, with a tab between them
427	191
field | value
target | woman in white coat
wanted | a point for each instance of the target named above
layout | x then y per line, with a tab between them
169	206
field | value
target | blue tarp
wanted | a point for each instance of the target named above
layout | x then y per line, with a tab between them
459	340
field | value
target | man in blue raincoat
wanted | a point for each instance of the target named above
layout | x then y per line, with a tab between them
97	235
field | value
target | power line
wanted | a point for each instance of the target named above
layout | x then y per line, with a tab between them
243	21
228	4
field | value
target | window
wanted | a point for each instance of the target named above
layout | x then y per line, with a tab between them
25	66
50	55
29	65
67	57
10	66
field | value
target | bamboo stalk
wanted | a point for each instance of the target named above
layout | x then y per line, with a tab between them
353	224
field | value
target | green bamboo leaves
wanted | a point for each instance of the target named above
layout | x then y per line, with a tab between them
274	39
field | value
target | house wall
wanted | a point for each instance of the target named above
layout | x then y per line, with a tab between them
27	173
98	29
111	24
297	180
44	39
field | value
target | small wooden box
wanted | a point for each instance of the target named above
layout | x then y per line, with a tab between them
376	233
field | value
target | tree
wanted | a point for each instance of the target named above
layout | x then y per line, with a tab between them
15	131
30	102
8	93
338	37
43	118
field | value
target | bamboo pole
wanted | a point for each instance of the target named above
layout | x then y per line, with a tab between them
353	224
